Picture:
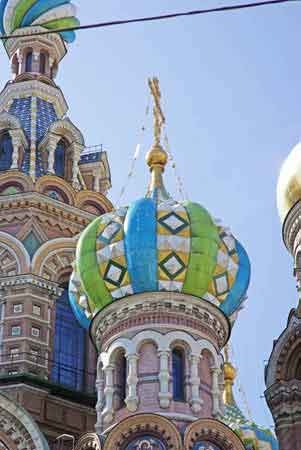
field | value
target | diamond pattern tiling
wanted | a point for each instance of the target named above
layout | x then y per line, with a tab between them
172	265
173	223
221	284
114	273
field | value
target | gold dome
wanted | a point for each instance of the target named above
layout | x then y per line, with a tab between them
229	377
229	372
289	182
156	157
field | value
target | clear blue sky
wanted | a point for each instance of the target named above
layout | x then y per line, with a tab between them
231	91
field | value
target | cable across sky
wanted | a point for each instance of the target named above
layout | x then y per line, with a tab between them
218	9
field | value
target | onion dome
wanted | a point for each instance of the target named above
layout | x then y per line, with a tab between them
158	244
49	14
253	436
289	182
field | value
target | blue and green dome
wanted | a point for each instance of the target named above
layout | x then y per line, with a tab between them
49	14
158	244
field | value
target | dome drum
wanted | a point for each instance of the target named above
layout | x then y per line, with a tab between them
160	310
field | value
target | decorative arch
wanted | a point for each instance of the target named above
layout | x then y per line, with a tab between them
178	336
206	345
149	336
213	431
284	356
85	197
138	425
293	364
16	179
89	441
120	344
26	431
64	128
52	182
54	257
14	258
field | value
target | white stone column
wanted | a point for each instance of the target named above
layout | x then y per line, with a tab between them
20	62
108	412
100	402
16	142
164	377
75	151
51	147
131	400
195	402
215	391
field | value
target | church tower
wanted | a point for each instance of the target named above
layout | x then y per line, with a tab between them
51	187
283	372
159	284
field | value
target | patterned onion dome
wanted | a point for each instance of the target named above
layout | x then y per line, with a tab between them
253	436
289	182
158	244
50	14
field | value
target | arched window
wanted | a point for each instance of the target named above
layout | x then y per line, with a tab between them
60	159
42	63
6	151
69	346
178	374
121	379
28	62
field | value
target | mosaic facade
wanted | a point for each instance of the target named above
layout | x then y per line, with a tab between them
114	323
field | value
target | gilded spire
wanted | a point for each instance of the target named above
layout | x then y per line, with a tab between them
229	376
157	157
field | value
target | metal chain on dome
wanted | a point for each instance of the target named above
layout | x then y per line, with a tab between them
240	387
179	181
135	156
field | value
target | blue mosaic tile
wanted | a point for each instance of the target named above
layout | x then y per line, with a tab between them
46	115
21	108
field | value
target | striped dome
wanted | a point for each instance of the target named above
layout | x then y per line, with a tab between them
50	14
158	244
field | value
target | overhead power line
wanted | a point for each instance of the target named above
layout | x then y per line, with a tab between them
175	15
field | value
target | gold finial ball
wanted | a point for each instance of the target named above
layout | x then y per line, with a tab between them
156	156
229	372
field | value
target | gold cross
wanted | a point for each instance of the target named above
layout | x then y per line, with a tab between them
226	352
159	119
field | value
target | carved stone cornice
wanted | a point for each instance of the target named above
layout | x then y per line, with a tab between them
292	227
284	400
30	280
160	309
11	206
53	40
34	88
